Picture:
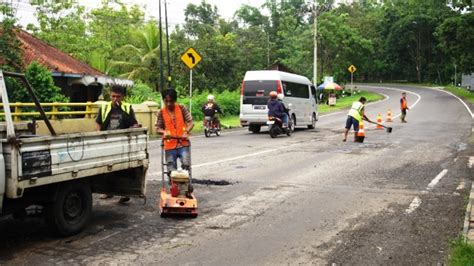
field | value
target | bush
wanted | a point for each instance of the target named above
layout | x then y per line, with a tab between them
43	85
140	93
228	101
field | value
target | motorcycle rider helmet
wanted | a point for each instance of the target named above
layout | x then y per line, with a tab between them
273	94
210	97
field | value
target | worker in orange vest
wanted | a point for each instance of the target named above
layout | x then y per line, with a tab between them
404	106
175	121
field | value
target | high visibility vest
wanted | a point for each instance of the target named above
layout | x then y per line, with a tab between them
106	108
356	110
403	103
176	128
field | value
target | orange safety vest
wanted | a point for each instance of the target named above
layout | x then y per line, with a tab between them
174	128
404	104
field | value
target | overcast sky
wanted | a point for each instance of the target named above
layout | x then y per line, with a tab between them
226	8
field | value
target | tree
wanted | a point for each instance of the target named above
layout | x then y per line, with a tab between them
62	24
43	85
456	36
139	60
108	27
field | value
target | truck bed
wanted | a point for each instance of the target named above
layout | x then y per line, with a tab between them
42	160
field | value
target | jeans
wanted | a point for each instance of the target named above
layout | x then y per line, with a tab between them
285	118
172	156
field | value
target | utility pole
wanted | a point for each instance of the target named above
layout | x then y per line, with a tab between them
315	41
167	46
161	49
455	75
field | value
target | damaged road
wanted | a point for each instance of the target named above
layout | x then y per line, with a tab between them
305	199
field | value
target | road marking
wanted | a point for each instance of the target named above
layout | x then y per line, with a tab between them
461	185
452	94
407	91
233	158
471	162
415	203
435	180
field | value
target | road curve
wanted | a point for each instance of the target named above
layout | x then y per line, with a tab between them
308	198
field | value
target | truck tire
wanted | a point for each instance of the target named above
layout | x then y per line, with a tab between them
72	210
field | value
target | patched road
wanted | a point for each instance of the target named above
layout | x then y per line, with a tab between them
306	199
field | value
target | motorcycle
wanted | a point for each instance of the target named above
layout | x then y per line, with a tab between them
275	127
211	127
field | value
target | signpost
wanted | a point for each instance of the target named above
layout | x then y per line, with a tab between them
352	69
191	58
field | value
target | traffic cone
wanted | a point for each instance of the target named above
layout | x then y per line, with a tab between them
389	116
379	121
361	133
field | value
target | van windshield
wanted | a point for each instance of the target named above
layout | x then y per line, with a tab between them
257	91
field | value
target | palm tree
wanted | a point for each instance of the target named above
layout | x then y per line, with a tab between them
139	60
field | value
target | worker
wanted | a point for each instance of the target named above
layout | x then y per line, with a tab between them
355	116
211	109
277	109
116	114
174	120
404	106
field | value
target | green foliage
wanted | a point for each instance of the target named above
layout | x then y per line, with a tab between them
140	93
461	253
42	82
139	59
228	101
461	92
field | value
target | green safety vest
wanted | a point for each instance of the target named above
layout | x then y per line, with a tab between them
106	108
356	111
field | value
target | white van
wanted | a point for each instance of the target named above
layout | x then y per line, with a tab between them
297	90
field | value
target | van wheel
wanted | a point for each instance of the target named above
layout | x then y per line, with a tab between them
293	123
313	122
72	210
255	129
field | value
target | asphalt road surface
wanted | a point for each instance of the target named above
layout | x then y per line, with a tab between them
306	199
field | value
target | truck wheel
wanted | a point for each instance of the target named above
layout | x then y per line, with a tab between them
254	129
72	210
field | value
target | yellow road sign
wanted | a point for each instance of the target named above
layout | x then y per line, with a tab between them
352	68
191	58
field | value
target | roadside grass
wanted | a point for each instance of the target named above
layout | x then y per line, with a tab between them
346	102
461	253
461	92
231	121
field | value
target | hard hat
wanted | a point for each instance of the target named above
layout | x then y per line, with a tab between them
273	94
210	97
280	96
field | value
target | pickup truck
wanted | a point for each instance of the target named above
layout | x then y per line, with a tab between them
60	172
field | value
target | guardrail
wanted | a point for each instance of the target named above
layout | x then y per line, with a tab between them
55	112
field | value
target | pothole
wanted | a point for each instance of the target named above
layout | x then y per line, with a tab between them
209	182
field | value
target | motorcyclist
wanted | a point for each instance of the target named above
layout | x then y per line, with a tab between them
211	109
277	109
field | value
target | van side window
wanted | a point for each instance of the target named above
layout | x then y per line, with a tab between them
296	90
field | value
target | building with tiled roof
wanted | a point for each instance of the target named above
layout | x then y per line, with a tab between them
78	80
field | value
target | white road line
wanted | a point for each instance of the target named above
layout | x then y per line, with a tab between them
407	91
452	94
415	203
470	163
435	180
461	185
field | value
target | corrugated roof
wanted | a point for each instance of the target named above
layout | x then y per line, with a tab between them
51	57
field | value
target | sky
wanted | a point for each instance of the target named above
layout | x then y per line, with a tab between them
226	8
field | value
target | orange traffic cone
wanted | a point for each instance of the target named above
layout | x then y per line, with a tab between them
361	133
389	116
379	121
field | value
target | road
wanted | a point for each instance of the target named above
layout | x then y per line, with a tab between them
305	199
